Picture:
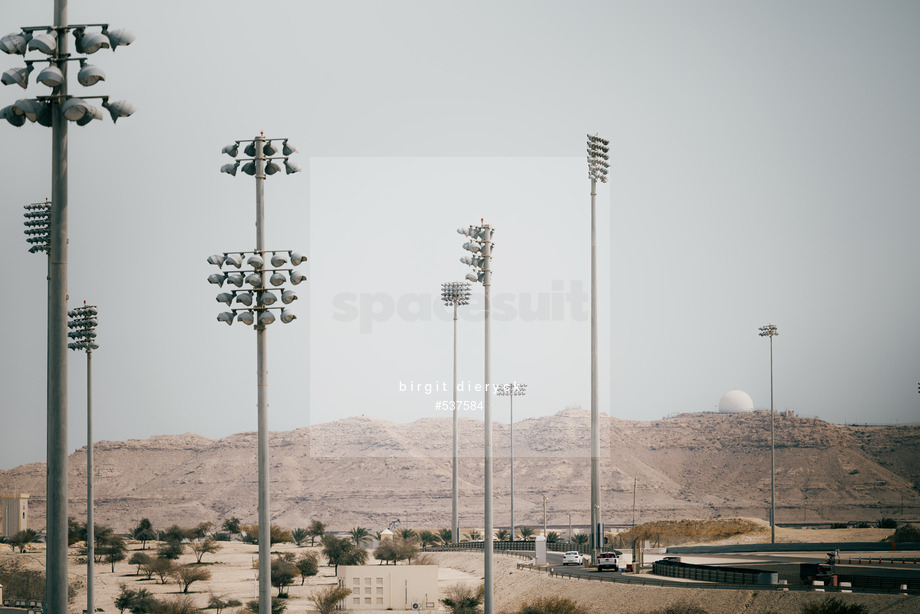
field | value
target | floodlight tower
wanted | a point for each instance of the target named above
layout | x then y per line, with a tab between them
455	293
598	150
54	111
264	267
770	331
511	390
480	246
83	324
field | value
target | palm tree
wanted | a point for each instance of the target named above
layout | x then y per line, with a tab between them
316	529
446	535
502	535
406	533
428	538
552	537
473	535
580	540
299	535
360	535
526	533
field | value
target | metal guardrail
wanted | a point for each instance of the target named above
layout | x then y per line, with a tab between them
518	544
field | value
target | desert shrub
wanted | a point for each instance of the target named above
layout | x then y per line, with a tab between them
278	606
463	598
221	537
221	602
839	525
552	605
905	533
862	525
28	584
887	523
833	605
178	605
186	575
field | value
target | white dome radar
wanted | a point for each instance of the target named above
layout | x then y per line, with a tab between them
735	401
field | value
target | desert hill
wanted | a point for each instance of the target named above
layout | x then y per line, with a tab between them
368	472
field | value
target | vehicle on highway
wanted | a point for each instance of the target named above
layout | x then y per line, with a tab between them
608	560
573	558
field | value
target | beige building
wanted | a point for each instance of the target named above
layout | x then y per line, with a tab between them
14	513
390	587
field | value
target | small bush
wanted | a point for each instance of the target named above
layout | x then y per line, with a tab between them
863	525
905	533
552	605
888	523
833	605
839	525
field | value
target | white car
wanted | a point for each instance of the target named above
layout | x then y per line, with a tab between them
572	558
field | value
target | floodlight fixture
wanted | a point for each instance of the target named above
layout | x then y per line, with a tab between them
297	258
255	261
216	259
43	42
235	279
119	108
230	168
297	277
217	278
471	247
244	298
473	277
250	168
598	158
277	278
267	298
455	293
291	167
268	149
14	43
225	297
17	119
83	324
90	42
287	317
286	149
29	107
225	316
17	76
254	280
288	297
266	318
119	37
246	317
75	109
278	260
235	260
232	150
271	168
91	113
51	75
250	149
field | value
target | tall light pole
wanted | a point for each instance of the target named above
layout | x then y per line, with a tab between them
54	111
480	246
264	267
83	324
544	516
598	150
511	390
455	293
770	331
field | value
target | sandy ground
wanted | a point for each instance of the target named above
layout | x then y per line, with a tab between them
234	575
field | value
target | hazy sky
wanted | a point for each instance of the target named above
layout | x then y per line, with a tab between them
764	169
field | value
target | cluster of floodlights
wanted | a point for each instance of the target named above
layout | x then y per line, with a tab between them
268	153
44	40
455	293
598	150
83	328
38	226
480	245
258	300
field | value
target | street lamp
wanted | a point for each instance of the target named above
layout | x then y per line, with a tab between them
455	293
511	390
480	260
770	331
55	111
264	275
598	150
83	333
